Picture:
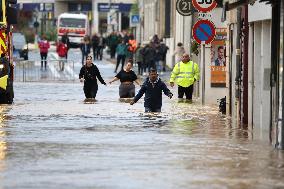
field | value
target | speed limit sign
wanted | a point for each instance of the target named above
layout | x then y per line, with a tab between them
204	5
183	7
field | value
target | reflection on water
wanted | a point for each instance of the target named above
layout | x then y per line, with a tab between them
63	143
3	144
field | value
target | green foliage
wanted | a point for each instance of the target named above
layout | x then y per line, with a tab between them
51	34
194	47
134	8
29	34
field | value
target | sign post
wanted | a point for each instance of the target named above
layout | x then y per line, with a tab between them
204	32
203	72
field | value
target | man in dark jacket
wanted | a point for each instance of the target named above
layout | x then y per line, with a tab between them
149	55
89	74
85	49
152	87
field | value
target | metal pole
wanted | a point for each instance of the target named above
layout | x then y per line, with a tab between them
203	73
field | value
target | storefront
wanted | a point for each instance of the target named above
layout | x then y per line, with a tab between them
277	76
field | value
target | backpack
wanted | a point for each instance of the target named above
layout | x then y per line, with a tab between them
62	50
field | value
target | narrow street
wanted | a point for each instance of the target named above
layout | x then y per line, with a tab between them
50	139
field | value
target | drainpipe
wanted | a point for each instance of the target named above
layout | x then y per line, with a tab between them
238	58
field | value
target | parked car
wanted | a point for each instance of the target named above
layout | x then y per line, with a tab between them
19	45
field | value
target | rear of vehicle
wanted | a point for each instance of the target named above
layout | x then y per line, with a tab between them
8	17
19	46
76	25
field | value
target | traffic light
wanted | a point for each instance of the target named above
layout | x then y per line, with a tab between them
12	11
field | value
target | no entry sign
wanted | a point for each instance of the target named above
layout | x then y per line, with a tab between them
203	30
204	5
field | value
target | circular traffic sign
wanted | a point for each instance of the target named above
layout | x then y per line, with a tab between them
183	7
204	30
204	5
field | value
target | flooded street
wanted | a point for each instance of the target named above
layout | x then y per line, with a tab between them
50	139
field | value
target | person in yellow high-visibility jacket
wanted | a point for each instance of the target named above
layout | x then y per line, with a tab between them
185	73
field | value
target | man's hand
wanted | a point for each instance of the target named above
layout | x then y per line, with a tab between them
132	102
170	96
82	80
110	82
172	84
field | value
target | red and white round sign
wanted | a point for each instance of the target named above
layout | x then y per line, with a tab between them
204	5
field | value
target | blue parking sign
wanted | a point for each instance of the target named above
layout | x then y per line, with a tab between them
135	19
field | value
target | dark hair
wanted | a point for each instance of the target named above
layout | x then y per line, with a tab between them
220	47
152	70
179	44
130	60
89	56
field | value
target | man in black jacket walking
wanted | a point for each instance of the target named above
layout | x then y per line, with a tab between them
152	87
89	74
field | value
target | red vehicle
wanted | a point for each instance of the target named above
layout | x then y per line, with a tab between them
8	16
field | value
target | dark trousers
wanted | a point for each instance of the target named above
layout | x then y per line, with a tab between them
84	57
95	51
100	52
127	90
43	57
151	64
120	58
150	109
140	69
112	51
185	90
90	90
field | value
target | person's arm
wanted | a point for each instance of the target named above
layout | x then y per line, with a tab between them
98	74
135	78
113	80
137	82
166	91
139	94
196	72
81	74
174	74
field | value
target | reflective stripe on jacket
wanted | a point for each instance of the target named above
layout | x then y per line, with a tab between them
185	73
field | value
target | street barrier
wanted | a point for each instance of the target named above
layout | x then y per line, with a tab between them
31	71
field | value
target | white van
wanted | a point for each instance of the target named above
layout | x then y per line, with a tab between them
76	25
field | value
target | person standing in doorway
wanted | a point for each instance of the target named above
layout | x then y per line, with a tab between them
179	52
186	73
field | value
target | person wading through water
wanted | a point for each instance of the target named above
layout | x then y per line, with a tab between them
89	74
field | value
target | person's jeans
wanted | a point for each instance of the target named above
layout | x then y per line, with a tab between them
158	66
122	59
150	109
